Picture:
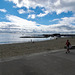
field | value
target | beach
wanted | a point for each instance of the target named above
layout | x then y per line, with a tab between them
19	49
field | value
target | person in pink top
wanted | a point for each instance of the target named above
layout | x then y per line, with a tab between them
68	46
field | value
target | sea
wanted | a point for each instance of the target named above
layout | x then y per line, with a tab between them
9	38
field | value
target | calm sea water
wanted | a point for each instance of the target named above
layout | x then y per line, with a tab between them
8	38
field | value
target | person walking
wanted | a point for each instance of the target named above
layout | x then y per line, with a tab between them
68	46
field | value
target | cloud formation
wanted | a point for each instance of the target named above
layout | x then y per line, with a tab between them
42	14
22	11
3	10
31	16
20	22
57	6
17	24
39	8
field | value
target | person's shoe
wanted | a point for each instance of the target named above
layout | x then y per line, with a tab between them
66	52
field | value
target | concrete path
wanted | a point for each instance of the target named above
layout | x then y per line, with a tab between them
46	63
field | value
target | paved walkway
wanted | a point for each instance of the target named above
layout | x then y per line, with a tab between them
46	63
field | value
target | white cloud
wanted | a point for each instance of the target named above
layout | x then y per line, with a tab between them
57	6
14	7
19	21
31	16
17	24
21	11
29	11
65	25
43	14
67	20
22	25
54	20
3	10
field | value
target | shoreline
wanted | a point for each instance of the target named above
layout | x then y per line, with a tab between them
3	43
24	48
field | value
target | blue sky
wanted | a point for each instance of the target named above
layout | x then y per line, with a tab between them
50	16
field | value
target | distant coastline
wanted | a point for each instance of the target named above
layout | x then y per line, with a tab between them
9	38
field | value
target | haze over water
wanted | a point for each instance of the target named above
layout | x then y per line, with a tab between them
9	38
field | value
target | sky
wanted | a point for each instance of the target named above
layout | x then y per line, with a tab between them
37	16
